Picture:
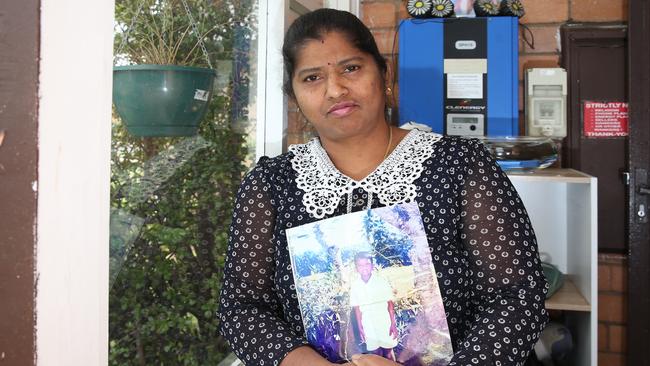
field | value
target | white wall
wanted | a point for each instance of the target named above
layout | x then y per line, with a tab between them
73	182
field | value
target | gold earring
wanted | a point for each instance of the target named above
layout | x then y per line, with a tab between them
389	91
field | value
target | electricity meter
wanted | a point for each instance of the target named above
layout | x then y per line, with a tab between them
465	124
546	91
459	75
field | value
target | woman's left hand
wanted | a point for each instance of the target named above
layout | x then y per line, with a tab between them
372	360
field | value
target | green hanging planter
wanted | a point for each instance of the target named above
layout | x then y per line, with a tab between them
162	100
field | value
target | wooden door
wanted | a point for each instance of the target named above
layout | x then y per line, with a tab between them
595	57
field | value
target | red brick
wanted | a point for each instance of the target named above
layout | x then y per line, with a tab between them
612	308
604	277
611	359
392	66
531	61
379	15
617	338
401	12
599	10
603	334
385	39
619	278
543	38
545	11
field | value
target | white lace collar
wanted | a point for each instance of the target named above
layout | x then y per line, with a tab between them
392	181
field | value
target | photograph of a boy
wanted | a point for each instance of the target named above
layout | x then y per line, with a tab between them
371	299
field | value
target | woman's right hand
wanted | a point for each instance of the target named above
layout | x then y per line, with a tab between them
306	355
371	360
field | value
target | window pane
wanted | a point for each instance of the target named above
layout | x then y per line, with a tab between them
173	183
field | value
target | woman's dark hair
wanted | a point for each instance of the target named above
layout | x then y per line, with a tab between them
313	26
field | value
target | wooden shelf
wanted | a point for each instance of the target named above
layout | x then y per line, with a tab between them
568	298
552	175
562	206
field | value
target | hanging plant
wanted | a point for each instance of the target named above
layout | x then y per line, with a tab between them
163	93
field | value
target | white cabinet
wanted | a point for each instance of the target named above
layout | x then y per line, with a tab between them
562	205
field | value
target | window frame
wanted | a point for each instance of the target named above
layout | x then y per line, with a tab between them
72	188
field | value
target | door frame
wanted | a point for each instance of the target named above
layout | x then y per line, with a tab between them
638	325
585	34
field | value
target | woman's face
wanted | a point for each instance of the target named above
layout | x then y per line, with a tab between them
338	88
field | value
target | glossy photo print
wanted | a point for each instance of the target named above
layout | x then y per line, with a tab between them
366	284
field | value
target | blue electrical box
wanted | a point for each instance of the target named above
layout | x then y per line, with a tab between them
459	76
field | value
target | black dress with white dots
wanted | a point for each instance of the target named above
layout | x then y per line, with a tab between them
481	241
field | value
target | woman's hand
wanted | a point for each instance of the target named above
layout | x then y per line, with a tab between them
372	360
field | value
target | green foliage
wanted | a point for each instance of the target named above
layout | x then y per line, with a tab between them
171	200
160	31
391	248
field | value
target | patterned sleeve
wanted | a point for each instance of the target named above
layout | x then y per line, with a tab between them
250	312
508	288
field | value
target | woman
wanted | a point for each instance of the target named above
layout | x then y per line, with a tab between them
481	240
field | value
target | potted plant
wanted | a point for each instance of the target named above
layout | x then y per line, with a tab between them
162	86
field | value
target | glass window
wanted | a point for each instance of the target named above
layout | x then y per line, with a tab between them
183	135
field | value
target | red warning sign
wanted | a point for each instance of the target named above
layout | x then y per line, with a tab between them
605	119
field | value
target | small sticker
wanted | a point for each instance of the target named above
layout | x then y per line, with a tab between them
465	86
201	95
466	45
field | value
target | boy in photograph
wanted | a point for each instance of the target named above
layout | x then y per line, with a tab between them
371	298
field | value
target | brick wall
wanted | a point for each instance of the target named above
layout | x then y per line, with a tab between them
612	309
